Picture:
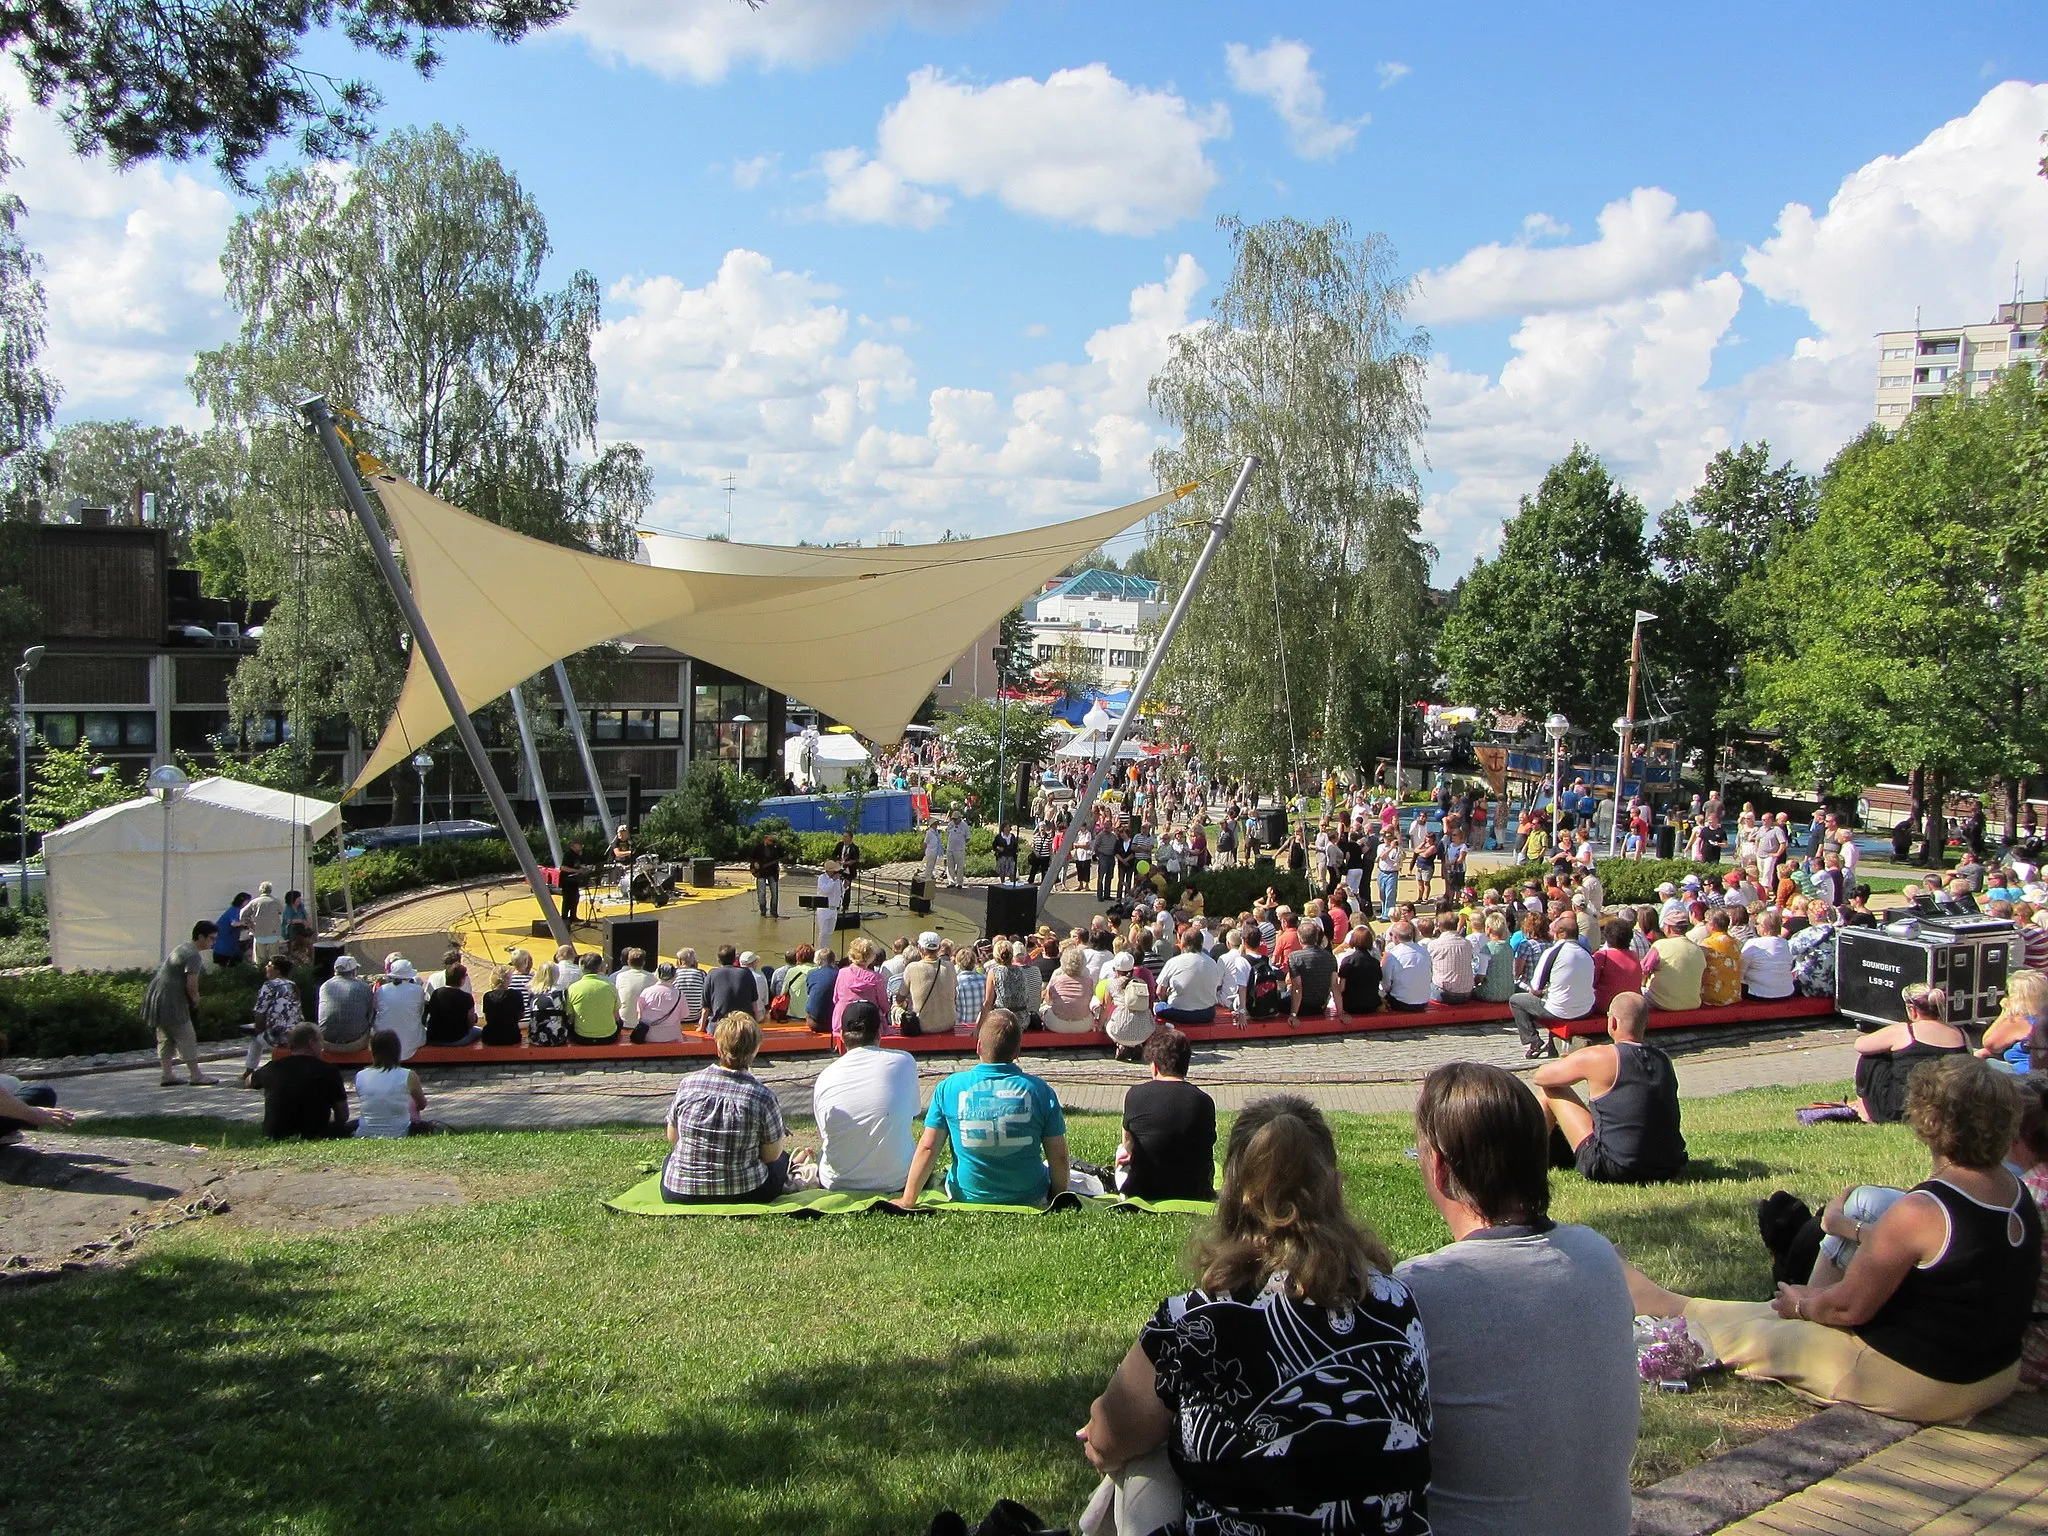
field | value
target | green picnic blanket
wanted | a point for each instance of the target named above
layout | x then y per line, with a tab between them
644	1199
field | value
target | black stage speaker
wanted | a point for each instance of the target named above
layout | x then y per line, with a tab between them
1667	841
624	933
1012	909
1273	828
846	921
920	896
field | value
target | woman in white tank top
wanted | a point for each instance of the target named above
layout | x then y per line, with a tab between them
388	1095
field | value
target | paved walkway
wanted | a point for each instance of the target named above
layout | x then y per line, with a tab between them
1359	1073
1989	1478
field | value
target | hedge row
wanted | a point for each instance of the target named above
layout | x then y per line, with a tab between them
892	847
82	1013
1625	883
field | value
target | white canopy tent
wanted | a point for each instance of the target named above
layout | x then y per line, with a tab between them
834	755
106	872
1087	745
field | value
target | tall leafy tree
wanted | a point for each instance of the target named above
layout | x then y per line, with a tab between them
1543	627
1288	657
1907	628
1017	644
175	78
28	401
981	733
112	463
407	289
1704	548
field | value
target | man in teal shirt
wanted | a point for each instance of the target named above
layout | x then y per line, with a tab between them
997	1117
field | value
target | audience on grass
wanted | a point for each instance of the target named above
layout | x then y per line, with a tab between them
725	1127
27	1106
2010	1039
1887	1057
303	1096
1626	1129
1528	1322
592	1005
996	1119
451	1011
503	1006
1294	1310
1169	1142
346	1007
389	1098
865	1106
1928	1319
401	1005
1559	990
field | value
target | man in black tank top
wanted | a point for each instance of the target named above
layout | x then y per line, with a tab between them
1626	1130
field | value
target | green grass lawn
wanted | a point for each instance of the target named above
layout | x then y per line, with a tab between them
532	1362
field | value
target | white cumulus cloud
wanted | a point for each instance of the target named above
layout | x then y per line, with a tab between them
1620	356
762	373
1079	147
1645	243
704	40
1280	75
132	271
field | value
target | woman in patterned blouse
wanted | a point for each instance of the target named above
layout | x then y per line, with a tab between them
1288	1392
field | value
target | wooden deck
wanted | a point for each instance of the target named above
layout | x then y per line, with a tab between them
1990	1478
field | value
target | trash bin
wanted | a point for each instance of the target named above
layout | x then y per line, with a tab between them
704	872
1667	841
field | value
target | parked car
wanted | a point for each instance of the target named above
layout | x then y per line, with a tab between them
458	831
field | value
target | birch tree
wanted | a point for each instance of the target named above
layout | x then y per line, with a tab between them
1290	656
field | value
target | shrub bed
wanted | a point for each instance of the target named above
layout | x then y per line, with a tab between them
82	1013
1227	892
1625	883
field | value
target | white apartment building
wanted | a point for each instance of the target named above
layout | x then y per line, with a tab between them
1102	611
1926	363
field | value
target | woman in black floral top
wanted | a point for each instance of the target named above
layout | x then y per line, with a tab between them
1288	1393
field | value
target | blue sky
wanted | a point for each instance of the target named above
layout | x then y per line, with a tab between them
906	264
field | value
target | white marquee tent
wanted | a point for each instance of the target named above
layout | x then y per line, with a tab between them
1088	745
834	755
106	871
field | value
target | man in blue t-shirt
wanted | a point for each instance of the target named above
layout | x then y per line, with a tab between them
997	1117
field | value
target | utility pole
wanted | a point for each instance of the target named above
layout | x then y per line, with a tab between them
1628	726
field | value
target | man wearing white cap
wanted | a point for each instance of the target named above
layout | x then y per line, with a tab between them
345	1007
831	892
930	988
402	1006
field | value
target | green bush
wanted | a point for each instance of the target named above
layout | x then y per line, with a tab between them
24	936
1227	892
896	848
82	1013
706	815
1625	883
383	872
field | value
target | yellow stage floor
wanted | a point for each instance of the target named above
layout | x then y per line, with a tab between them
701	920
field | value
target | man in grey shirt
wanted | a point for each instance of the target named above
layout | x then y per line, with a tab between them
1528	1324
347	1007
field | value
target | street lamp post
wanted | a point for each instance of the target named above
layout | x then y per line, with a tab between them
166	783
1558	727
422	765
30	660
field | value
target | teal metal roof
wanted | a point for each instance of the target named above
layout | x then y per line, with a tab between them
1110	584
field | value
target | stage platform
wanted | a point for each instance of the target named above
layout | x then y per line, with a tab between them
791	1040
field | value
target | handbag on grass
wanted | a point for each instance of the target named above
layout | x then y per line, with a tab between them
1826	1114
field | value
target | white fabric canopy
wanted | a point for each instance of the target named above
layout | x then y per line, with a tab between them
859	634
105	870
1087	745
